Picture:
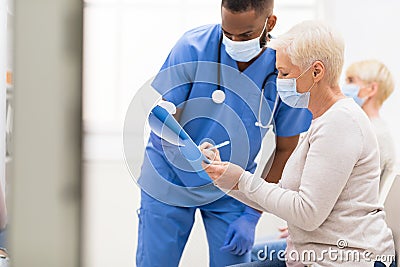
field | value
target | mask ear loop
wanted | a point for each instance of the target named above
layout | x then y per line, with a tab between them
263	43
219	62
302	75
304	72
312	86
309	90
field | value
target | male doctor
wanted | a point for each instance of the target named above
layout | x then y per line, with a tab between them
240	43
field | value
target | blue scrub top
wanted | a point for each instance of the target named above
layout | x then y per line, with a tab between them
203	119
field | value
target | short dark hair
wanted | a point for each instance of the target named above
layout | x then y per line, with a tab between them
260	6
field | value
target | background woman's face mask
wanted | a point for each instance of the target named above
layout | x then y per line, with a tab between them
243	51
352	90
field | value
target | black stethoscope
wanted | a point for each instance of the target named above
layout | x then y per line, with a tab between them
218	96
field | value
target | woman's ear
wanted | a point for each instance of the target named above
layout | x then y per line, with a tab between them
373	89
318	69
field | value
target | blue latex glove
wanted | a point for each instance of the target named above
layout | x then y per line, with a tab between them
240	236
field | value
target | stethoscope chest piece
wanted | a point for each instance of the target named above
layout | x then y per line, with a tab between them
218	96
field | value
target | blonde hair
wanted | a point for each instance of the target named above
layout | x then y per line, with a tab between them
310	41
370	71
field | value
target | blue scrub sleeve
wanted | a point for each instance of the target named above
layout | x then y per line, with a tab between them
174	80
291	121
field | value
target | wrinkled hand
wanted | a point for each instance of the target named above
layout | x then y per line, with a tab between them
211	154
240	236
225	175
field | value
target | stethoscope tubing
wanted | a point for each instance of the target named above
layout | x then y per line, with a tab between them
258	123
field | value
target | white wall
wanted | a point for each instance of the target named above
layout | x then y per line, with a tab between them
370	31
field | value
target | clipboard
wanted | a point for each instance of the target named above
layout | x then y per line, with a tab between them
163	124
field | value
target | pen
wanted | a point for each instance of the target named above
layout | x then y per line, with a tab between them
219	145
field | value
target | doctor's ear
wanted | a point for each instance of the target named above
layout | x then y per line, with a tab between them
271	22
318	70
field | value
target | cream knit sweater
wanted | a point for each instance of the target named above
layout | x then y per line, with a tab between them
328	193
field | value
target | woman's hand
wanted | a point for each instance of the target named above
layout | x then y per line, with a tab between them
284	232
211	153
225	175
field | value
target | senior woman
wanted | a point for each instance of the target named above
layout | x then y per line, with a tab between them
328	192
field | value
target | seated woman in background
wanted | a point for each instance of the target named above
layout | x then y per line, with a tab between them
328	192
370	83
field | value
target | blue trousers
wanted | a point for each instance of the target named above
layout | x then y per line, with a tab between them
270	253
164	230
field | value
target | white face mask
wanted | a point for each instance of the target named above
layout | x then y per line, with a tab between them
243	51
287	90
352	90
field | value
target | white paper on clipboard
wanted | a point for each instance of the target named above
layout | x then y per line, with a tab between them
267	150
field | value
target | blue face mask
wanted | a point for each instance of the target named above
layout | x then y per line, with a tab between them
352	90
287	90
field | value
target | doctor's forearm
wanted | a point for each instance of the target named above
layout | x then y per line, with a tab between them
178	114
275	173
284	148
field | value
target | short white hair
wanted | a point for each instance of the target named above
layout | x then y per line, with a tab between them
374	71
310	41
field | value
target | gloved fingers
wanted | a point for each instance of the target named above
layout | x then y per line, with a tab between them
232	248
244	244
247	250
241	252
239	247
228	248
246	247
229	236
229	245
237	251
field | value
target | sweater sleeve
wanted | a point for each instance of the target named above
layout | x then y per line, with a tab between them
335	146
